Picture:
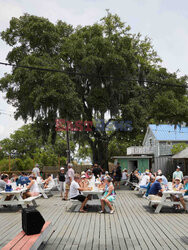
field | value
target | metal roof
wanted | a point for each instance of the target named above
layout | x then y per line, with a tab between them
131	157
166	132
181	155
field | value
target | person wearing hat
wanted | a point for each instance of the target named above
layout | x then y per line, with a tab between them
177	186
61	179
177	174
84	183
36	170
156	188
68	179
184	193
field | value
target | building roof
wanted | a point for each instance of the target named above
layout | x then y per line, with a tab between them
132	157
181	155
166	132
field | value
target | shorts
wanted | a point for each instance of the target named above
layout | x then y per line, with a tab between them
117	178
62	186
67	186
79	198
110	198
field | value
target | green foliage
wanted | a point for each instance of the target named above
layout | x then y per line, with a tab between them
96	61
178	147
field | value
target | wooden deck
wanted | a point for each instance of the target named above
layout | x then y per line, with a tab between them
133	226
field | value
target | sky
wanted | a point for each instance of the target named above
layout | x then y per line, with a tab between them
164	21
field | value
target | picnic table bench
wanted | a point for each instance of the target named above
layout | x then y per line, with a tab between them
26	242
165	200
16	198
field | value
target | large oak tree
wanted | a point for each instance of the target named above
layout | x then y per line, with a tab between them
108	73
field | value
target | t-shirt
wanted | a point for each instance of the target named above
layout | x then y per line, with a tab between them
154	189
164	180
36	171
124	176
69	174
74	189
2	185
96	171
144	181
61	177
118	171
24	180
186	188
178	174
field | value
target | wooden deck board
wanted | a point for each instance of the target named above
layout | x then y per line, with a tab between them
133	226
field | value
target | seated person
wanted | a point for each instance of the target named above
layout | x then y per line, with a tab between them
24	179
75	192
124	177
88	174
164	179
109	195
15	179
156	188
177	186
144	180
32	188
184	192
3	182
84	183
49	181
152	180
102	184
135	177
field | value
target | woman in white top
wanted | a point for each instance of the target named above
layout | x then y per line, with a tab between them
32	188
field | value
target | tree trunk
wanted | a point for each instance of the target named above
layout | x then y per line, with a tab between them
100	153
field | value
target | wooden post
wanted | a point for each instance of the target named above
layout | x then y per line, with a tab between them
9	165
58	161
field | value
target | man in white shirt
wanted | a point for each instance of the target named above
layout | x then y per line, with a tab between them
68	179
145	180
36	170
75	192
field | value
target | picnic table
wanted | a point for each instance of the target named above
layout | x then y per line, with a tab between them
166	200
16	198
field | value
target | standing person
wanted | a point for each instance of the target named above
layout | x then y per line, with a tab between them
118	175
61	179
96	171
177	174
69	177
36	170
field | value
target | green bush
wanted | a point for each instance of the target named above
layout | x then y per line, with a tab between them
4	165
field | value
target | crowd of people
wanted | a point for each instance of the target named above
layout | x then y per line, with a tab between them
72	185
156	183
29	181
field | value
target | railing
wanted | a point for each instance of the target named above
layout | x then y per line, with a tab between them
139	150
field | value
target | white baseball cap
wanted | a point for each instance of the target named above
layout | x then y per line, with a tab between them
62	168
158	178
